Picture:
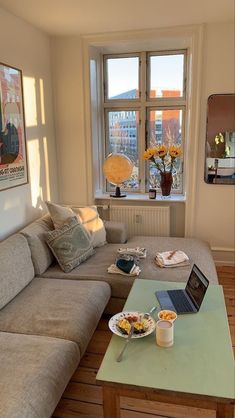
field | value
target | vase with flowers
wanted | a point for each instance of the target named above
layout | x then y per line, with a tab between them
164	159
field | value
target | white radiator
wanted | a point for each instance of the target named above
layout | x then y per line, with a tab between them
141	220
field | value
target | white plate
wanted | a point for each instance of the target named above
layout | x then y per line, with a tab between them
121	315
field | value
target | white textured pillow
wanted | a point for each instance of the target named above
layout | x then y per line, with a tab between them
59	214
90	219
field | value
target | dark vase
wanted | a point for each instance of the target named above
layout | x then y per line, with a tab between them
166	183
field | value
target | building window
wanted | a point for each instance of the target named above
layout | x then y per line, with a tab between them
144	103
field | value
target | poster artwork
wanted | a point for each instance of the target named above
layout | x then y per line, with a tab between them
13	161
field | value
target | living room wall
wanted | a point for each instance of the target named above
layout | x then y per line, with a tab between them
215	220
217	77
24	47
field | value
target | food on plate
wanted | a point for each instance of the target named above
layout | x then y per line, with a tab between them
168	315
124	326
140	325
132	318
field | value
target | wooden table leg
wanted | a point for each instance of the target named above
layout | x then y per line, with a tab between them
111	403
224	410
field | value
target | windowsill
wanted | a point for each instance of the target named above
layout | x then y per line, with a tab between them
141	197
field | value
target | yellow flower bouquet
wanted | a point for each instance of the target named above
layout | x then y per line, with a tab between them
163	157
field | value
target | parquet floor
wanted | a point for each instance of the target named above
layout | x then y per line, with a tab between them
83	398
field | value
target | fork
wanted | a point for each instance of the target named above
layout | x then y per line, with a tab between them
119	358
148	314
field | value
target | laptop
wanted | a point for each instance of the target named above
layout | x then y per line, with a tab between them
186	300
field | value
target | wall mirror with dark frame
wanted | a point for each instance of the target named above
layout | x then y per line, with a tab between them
220	139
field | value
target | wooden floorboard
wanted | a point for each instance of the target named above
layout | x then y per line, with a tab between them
83	398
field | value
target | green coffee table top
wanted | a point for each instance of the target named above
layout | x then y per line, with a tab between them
200	361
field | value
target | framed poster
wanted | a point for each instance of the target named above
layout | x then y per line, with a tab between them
13	158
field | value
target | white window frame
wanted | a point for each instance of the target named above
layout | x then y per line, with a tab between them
190	37
105	75
183	109
108	187
143	104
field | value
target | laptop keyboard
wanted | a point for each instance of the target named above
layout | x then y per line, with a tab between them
179	301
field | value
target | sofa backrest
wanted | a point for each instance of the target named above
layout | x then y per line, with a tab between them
16	267
42	256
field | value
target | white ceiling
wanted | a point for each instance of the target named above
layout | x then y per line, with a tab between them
66	17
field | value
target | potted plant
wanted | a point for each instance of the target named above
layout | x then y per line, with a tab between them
164	159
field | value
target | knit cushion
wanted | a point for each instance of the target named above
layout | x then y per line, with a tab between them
70	244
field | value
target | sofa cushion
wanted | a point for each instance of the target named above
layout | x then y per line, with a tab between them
57	308
42	256
16	267
90	219
59	214
70	244
96	267
116	232
34	373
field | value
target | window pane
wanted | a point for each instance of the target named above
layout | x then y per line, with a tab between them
122	137
165	127
166	75
123	78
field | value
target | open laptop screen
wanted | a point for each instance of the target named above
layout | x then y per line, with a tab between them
197	286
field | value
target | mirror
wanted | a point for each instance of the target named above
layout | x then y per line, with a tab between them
220	139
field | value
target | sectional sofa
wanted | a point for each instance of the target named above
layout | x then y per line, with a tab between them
47	317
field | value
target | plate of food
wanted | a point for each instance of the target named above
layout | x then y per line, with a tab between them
120	324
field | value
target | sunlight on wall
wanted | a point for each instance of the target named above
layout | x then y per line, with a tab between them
43	119
45	149
34	172
30	103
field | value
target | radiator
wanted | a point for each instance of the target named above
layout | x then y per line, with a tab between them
142	220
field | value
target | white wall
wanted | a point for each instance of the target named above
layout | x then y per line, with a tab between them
67	61
26	48
215	212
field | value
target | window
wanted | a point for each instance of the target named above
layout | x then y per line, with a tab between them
144	105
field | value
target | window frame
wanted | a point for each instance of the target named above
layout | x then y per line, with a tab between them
144	104
162	108
105	75
109	188
161	53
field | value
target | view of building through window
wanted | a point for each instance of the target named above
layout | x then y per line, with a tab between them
164	114
123	138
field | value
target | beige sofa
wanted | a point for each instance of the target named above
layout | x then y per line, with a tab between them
45	326
47	317
95	268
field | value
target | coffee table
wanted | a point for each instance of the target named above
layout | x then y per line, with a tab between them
198	370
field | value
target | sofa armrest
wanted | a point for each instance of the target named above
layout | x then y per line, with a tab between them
116	232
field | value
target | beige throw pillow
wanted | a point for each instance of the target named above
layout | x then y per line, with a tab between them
70	244
59	214
90	219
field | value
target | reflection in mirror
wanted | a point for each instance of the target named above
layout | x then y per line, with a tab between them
220	140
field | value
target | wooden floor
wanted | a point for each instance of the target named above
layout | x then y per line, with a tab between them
83	398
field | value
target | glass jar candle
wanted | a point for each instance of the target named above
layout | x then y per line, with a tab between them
152	193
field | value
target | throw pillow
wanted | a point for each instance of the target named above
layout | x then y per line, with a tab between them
59	214
90	219
70	244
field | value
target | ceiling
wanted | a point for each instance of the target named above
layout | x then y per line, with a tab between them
67	17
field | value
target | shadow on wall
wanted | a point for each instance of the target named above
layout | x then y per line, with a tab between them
21	205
